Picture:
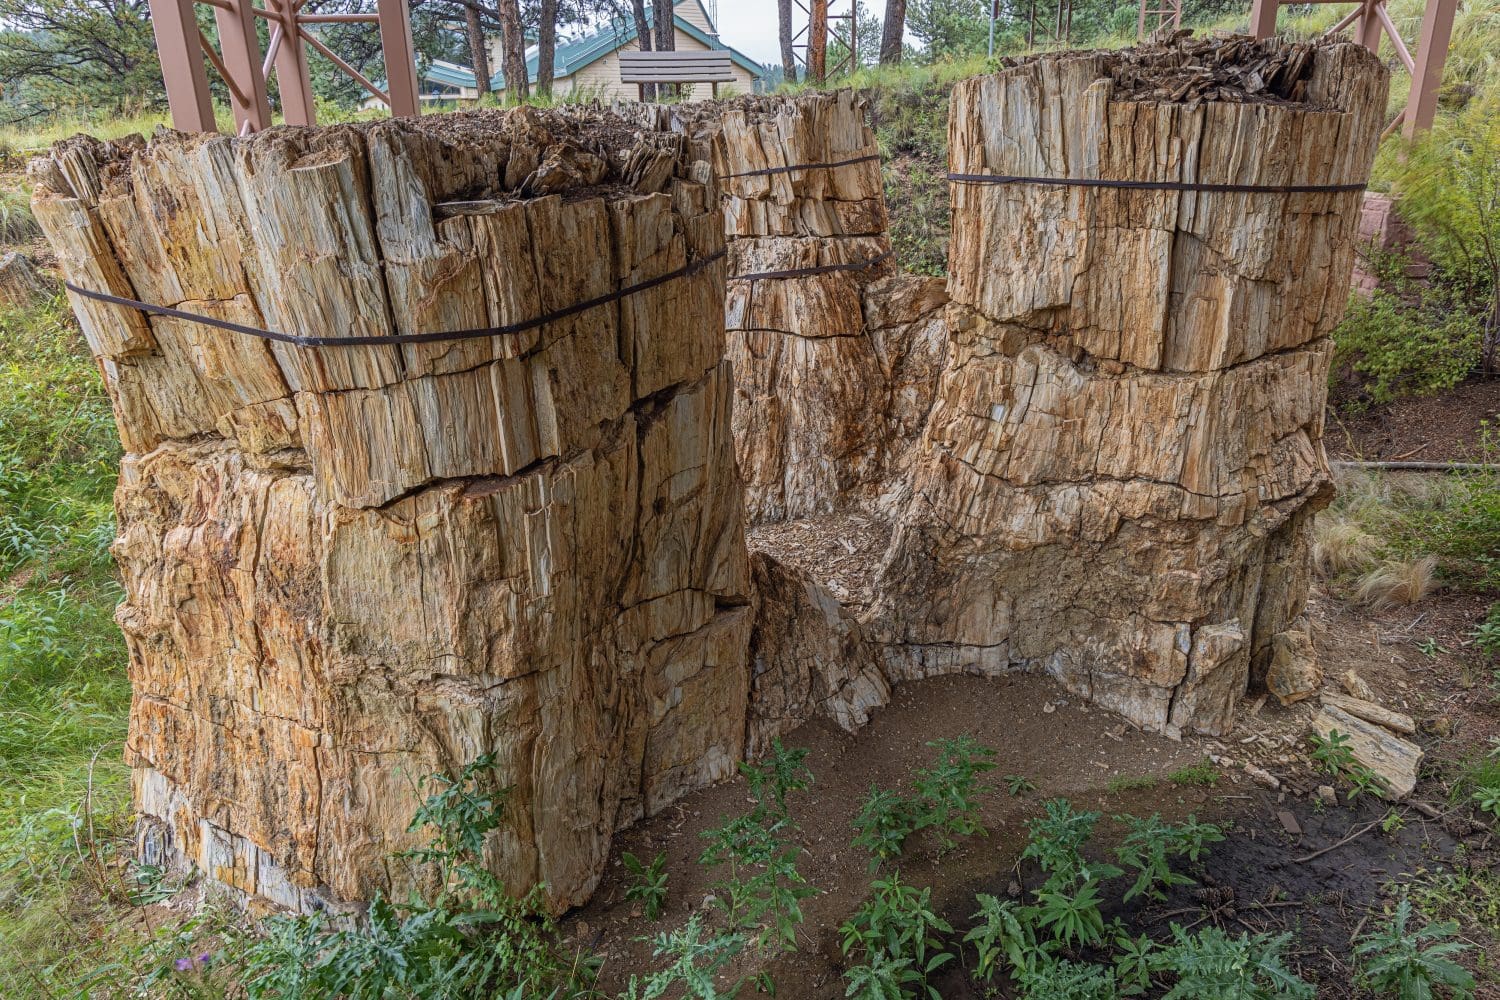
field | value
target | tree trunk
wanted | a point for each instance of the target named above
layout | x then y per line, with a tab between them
383	561
643	39
788	54
479	53
891	43
666	38
546	47
513	38
817	41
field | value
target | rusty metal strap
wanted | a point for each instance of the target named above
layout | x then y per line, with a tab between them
1094	182
802	166
803	272
402	338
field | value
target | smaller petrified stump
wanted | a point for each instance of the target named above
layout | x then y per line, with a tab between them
20	284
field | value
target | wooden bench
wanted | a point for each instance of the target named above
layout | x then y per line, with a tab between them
640	68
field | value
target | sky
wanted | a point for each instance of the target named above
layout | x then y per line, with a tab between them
750	25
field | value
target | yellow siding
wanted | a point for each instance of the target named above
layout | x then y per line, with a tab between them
693	13
601	78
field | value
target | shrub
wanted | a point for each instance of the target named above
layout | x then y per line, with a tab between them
1056	841
945	798
1066	980
1402	349
1486	635
1396	961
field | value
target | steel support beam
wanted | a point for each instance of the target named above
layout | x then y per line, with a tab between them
182	69
239	53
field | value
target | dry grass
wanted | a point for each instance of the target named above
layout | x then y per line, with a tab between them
1397	582
1341	545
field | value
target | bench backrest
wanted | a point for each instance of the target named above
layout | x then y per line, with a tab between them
713	66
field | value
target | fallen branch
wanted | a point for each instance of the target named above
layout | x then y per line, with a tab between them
1332	847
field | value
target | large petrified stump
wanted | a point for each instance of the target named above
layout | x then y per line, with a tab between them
348	566
1115	481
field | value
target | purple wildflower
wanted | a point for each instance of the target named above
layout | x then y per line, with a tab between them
183	964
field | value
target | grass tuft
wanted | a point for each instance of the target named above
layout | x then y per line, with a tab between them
1341	545
1398	582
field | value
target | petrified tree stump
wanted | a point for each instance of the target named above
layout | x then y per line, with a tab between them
19	282
824	398
348	566
1115	481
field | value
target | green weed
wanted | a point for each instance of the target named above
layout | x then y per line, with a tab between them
1204	775
648	883
1150	845
899	936
1394	960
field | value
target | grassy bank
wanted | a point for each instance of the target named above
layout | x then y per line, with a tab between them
63	686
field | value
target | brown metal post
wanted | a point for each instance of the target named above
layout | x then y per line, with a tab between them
1263	18
1368	30
240	51
1427	74
400	58
182	65
292	78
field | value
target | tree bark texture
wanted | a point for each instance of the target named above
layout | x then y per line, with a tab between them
894	33
348	567
784	31
479	53
546	47
513	44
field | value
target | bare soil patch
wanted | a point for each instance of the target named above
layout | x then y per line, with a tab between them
1253	881
1441	428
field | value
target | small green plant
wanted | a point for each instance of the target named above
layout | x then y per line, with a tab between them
1488	800
761	890
1150	845
1203	774
898	933
1210	963
1072	918
1065	980
1018	785
694	965
1430	648
1394	960
947	793
1131	783
1332	752
945	798
1004	931
1056	844
1135	961
1363	781
1392	822
1486	635
884	823
648	883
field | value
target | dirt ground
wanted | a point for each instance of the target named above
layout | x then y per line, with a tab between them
1268	875
1442	428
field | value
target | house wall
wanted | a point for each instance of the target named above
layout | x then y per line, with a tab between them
602	77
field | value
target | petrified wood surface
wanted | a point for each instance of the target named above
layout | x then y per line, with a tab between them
829	361
1115	481
346	567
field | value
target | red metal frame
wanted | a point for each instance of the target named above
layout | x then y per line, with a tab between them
244	68
1165	12
1371	21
